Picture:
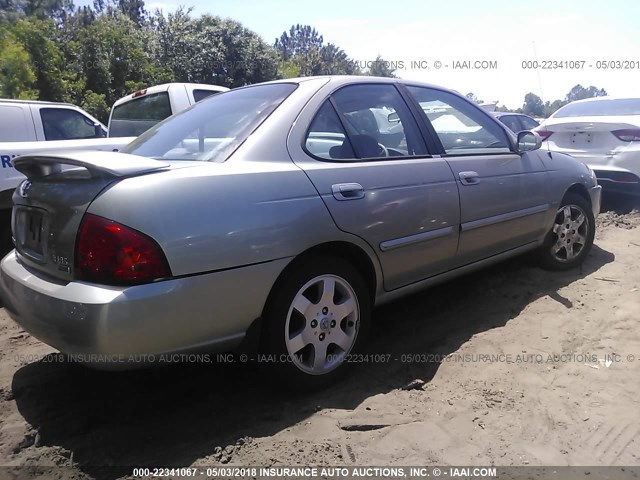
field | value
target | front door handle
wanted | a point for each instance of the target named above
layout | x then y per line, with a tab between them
469	178
347	191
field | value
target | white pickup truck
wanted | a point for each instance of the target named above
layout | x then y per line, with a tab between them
28	126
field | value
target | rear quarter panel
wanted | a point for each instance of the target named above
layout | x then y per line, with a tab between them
222	215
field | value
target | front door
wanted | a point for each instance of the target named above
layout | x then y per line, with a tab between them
502	193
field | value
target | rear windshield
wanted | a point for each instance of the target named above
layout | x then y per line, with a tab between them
136	116
210	131
600	108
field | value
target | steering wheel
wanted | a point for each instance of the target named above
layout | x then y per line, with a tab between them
383	150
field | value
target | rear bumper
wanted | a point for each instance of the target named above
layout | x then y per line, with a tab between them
611	185
122	327
617	171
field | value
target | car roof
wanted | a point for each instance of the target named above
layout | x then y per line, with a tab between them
37	102
607	97
340	80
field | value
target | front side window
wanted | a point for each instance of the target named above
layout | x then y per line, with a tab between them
136	116
460	126
66	124
211	131
371	121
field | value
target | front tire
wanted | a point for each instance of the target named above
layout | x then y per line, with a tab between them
318	317
571	237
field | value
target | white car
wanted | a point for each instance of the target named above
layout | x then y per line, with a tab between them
604	133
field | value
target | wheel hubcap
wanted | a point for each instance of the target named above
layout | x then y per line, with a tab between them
571	230
322	324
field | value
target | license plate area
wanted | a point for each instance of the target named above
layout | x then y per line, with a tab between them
31	230
581	138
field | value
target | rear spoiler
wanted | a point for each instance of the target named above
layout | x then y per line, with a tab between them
97	163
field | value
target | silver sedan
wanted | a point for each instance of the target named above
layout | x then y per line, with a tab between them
279	215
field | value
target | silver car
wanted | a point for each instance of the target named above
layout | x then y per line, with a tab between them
279	215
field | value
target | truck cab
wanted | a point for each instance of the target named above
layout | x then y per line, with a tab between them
134	114
35	121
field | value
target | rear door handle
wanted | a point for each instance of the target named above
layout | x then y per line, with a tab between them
347	191
469	178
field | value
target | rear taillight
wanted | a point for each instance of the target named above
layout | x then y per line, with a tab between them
109	253
616	176
628	135
544	134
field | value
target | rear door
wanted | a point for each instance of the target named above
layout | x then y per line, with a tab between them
363	151
503	201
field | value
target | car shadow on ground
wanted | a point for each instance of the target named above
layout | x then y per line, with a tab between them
174	415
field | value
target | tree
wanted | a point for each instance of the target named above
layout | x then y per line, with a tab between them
16	74
551	107
134	9
212	50
334	61
580	93
302	49
40	39
381	68
533	105
58	10
302	40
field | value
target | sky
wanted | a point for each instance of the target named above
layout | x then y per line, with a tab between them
415	34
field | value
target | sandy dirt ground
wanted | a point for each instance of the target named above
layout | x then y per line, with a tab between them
509	366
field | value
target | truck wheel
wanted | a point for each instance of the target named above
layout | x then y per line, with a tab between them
6	242
319	316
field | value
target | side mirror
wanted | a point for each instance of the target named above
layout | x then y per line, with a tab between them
99	131
528	141
393	118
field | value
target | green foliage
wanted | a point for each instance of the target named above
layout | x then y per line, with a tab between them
381	68
16	74
580	93
302	50
533	105
40	39
96	104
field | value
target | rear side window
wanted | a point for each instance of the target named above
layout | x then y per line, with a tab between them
14	126
202	94
136	116
66	124
462	128
326	137
211	131
600	108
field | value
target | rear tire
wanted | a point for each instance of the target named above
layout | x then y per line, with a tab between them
570	239
317	318
6	240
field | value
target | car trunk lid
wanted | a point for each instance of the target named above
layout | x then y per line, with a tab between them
586	133
50	204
